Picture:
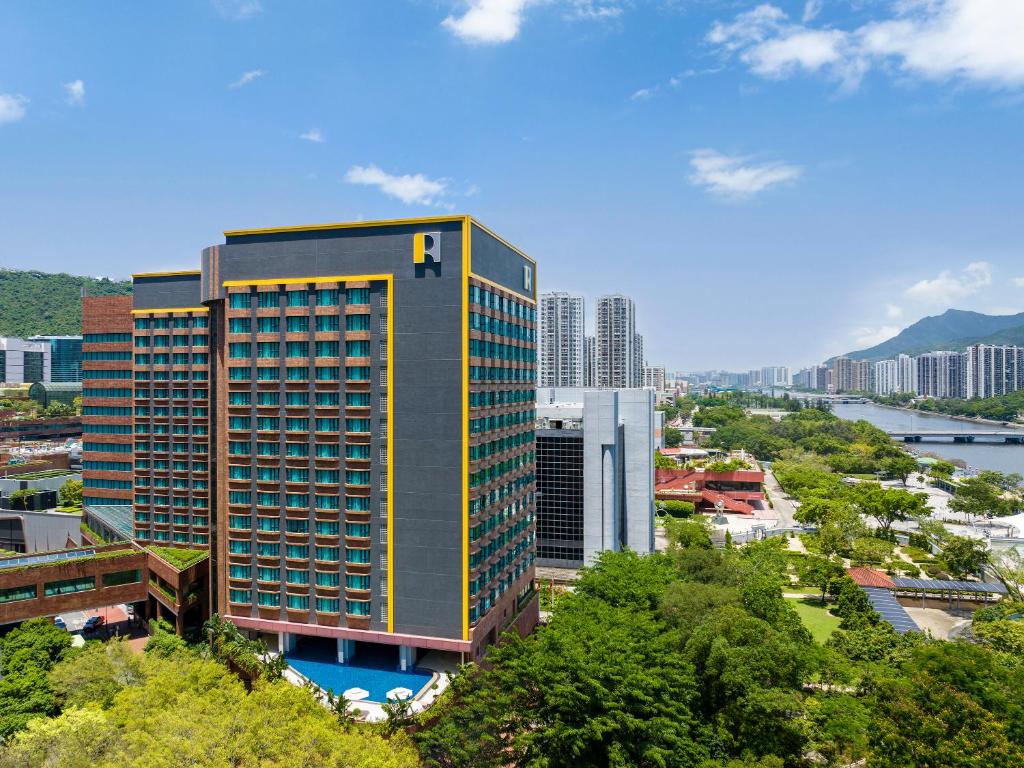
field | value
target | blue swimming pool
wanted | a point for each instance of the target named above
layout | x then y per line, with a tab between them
371	669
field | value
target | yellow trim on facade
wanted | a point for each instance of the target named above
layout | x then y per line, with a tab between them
301	280
391	453
503	288
169	310
502	240
466	266
137	275
345	225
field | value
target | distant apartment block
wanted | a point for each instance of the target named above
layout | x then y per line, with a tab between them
561	345
589	361
23	362
618	349
990	371
654	377
65	357
940	374
595	481
852	375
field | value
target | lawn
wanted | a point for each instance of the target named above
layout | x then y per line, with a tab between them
815	617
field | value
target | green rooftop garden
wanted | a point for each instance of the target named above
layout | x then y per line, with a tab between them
179	557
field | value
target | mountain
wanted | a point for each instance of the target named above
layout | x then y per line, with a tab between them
954	329
38	303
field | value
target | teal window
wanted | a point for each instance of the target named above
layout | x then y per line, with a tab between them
268	449
241	522
327	579
328	502
239	398
239	547
358	503
298	298
357	530
357	425
238	301
357	581
357	399
357	608
268	299
326	323
265	499
240	571
297	425
239	325
327	373
297	324
299	500
238	350
357	555
239	497
239	447
357	296
353	451
268	374
267	398
297	551
327	297
239	422
69	586
327	527
327	425
329	399
268	549
297	450
268	524
264	573
298	602
296	398
297	475
327	451
268	325
240	596
357	349
298	373
330	554
329	476
328	605
357	373
268	423
270	599
15	594
268	474
267	349
297	349
357	477
357	322
239	374
294	576
296	526
327	349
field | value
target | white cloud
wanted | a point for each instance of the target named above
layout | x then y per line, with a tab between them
735	176
947	288
238	10
974	40
409	188
489	21
314	135
598	10
1019	282
867	336
75	91
893	311
12	107
811	10
246	78
643	94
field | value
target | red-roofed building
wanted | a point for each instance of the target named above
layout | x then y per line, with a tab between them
736	489
869	577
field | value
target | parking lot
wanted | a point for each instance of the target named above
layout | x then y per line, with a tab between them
115	620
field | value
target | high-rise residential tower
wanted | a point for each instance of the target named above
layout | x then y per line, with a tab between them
589	361
344	414
617	364
561	344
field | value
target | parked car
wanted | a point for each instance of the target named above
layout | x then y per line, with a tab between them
58	622
93	623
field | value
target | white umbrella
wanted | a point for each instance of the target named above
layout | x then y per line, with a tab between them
398	693
356	694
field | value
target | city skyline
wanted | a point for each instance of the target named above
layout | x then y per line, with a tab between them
834	208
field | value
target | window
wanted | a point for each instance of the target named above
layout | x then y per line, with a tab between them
268	325
330	322
121	577
270	599
296	398
297	551
327	297
357	530
297	500
267	398
327	373
357	296
267	299
328	502
382	301
327	527
268	349
297	450
327	425
239	547
384	326
327	451
357	373
357	425
328	579
353	451
268	499
268	474
382	455
328	554
240	398
328	604
237	301
357	349
357	555
294	576
298	348
382	377
298	298
268	524
239	350
297	475
268	373
328	398
382	351
69	586
298	324
296	526
298	373
268	549
297	425
14	594
357	608
383	403
298	602
243	596
328	476
327	349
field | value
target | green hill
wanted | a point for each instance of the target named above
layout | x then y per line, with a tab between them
954	329
35	303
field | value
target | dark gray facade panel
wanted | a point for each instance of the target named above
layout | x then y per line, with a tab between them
494	260
166	291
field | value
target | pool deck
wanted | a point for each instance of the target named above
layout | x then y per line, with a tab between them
442	666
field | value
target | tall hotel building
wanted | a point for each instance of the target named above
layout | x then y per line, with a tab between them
345	415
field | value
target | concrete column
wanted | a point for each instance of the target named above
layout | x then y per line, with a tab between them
406	657
346	650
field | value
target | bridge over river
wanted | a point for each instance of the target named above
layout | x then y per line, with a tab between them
1005	436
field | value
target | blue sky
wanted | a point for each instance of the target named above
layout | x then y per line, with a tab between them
773	182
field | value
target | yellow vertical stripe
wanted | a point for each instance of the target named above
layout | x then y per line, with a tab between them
466	256
391	452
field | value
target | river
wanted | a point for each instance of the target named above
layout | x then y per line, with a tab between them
997	456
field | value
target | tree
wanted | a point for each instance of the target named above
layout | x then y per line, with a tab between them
20	498
887	505
163	641
901	466
70	494
1008	566
664	462
822	573
852	605
689	532
839	529
27	653
964	556
976	497
96	674
677	508
673	437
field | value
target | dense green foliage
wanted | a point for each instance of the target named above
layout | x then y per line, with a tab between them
38	303
180	557
694	659
1009	407
27	654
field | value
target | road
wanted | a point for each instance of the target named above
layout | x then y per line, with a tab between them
782	505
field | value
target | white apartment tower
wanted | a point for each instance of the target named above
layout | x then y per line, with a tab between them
616	360
589	361
561	340
906	371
